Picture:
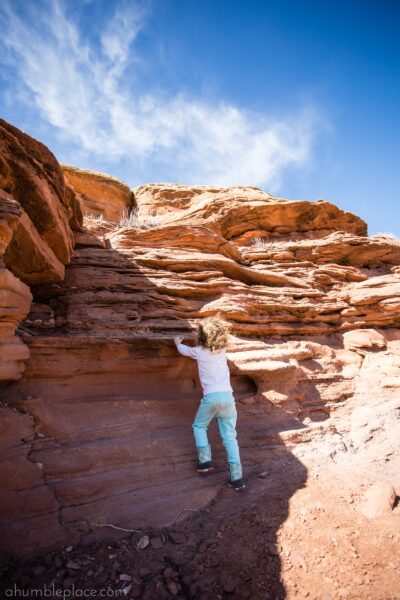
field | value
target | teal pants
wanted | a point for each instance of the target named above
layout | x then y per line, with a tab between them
222	406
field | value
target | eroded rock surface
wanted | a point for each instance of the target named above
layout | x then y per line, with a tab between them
31	173
100	194
36	240
313	301
241	213
15	297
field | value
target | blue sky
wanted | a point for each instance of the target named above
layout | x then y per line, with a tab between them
300	98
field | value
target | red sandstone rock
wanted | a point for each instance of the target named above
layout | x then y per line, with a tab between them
378	499
100	194
88	240
30	257
30	172
15	298
364	338
74	210
10	212
314	311
36	212
26	497
234	211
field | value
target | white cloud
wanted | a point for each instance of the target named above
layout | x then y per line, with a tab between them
121	32
78	85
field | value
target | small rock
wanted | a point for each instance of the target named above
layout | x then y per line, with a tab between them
177	537
378	500
143	542
125	577
230	586
69	548
173	587
89	557
72	564
272	549
157	543
263	475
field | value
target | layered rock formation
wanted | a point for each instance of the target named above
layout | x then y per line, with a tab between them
37	219
15	298
100	422
99	194
30	172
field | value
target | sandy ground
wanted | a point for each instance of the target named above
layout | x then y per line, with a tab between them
296	531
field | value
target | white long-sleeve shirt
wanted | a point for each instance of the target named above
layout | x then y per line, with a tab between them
213	368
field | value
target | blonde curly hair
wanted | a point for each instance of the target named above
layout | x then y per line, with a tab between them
212	333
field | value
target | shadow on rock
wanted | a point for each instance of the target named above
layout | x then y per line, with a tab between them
110	406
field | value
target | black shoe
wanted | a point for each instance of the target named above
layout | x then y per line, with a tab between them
205	467
237	485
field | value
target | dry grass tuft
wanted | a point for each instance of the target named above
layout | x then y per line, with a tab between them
94	219
262	244
134	221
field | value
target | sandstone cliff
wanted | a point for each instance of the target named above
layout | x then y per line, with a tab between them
97	430
99	194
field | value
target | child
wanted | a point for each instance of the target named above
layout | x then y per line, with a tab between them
218	400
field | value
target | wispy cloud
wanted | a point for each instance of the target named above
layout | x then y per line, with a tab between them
78	85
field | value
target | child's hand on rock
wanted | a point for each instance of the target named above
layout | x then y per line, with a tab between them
178	339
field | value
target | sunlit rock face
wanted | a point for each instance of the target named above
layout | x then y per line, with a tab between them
98	429
31	173
37	218
99	194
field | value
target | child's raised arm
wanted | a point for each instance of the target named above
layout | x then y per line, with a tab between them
183	349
